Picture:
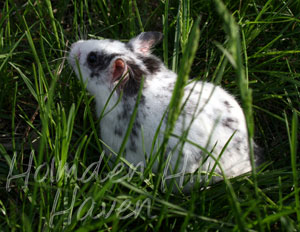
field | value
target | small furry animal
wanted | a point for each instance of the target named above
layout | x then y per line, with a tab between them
210	114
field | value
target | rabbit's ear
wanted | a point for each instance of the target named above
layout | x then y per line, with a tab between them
119	68
144	42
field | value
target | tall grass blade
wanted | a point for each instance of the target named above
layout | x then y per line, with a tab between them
176	99
53	22
166	32
293	140
234	47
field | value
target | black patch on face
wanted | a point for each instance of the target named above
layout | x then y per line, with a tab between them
135	76
152	63
229	122
98	61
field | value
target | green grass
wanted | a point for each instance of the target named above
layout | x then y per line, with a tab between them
46	115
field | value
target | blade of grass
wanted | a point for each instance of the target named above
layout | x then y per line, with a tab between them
176	99
234	47
138	16
293	140
175	54
53	22
165	32
13	114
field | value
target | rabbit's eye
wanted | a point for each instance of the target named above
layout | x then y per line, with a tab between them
92	59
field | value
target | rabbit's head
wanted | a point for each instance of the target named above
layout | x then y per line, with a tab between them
103	63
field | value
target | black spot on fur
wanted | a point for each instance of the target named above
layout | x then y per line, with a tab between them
229	152
94	74
135	128
132	145
237	148
152	63
118	131
237	143
124	114
100	63
142	100
197	157
129	47
134	132
170	87
119	117
126	111
135	76
227	105
229	123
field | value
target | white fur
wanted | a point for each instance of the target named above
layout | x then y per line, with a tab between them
217	114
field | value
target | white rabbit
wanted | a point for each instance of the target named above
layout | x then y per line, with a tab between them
217	114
